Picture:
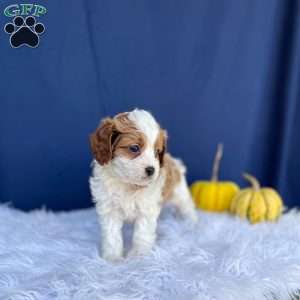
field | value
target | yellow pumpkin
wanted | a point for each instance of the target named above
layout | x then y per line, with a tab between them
257	204
214	195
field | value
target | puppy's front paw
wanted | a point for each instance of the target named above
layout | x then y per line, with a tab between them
112	257
136	252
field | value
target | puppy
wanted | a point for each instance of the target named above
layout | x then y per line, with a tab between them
132	176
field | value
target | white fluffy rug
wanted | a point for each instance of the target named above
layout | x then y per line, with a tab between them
46	255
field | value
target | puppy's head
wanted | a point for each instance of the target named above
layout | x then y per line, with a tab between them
132	145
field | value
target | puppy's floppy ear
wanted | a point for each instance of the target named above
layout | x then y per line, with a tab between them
163	137
102	139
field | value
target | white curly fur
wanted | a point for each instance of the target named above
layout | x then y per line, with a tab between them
117	201
47	256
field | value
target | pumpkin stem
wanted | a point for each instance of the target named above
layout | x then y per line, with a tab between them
216	165
252	180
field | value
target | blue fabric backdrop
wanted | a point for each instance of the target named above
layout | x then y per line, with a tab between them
211	71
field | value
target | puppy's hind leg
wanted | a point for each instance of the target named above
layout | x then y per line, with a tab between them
183	201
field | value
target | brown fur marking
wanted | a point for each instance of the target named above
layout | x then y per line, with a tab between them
160	146
101	141
173	176
113	137
123	142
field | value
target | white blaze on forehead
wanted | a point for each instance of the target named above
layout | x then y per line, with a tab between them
146	123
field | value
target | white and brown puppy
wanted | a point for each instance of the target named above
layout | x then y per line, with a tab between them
132	177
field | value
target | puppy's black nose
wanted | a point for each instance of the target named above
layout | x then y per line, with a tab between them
149	171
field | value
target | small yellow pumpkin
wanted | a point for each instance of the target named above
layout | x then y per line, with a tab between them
257	204
214	195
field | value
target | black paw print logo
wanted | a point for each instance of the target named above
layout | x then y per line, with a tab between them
24	32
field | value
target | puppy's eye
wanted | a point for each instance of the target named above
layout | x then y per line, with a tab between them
134	148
